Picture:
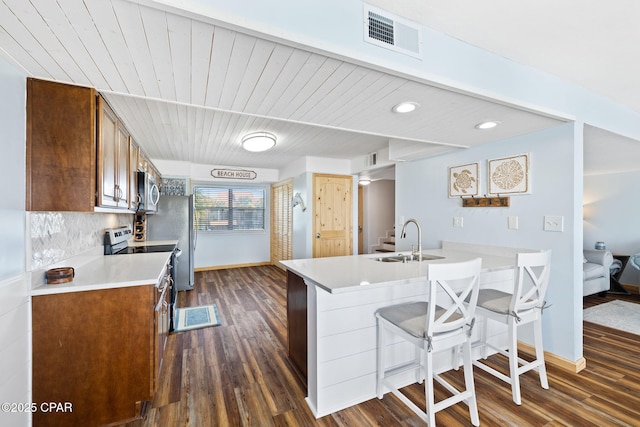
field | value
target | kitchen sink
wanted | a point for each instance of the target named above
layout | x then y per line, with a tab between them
406	258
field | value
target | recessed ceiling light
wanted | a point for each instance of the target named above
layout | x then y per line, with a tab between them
258	141
487	125
405	107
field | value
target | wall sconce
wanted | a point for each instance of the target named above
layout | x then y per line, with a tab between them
297	200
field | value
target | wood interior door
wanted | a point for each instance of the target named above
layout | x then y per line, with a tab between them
333	215
281	222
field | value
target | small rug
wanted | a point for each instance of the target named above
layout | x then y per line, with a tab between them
616	314
189	318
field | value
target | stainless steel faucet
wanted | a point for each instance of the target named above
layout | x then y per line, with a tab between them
403	234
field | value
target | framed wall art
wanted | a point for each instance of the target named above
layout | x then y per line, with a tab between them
463	180
509	175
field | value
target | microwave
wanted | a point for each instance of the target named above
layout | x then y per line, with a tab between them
148	193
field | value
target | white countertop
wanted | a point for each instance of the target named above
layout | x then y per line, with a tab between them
359	272
110	271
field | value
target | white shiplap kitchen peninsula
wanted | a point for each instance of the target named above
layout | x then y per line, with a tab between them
338	354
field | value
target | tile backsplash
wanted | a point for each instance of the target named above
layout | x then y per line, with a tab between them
56	236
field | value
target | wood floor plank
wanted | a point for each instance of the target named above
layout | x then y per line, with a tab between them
169	387
239	374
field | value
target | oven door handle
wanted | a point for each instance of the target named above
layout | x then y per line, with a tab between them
164	286
161	301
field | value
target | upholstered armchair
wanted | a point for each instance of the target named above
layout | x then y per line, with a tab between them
596	271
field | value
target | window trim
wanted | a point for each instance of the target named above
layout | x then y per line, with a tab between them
234	186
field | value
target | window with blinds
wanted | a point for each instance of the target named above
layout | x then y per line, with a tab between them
229	208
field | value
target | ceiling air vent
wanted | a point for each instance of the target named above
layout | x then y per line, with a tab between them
392	32
372	159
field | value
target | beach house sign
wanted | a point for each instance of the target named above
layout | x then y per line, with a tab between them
234	174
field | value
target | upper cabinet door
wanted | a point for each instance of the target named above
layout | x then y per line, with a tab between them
61	147
122	167
134	153
113	159
108	133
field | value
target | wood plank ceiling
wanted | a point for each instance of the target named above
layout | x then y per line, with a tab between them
188	88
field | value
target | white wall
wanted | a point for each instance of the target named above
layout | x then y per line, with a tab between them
421	192
216	249
379	211
235	248
232	249
302	244
15	307
240	248
611	205
12	174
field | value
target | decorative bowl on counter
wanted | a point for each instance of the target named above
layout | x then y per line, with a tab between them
55	276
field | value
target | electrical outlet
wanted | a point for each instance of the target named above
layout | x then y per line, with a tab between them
553	223
457	221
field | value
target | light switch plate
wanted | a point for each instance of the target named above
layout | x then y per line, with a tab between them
553	223
513	222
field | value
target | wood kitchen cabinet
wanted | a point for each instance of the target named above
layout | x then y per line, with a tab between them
79	153
113	159
155	174
97	350
61	147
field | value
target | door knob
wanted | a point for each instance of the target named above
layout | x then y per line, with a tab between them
317	235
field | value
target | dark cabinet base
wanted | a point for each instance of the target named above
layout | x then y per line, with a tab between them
297	321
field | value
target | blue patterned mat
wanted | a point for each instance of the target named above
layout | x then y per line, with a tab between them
189	318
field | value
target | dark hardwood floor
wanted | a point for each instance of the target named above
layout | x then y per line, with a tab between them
238	374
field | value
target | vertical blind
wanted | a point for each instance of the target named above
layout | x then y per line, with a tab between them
229	208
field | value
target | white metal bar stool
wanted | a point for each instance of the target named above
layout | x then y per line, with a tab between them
443	322
523	306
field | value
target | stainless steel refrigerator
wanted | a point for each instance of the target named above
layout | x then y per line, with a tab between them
174	220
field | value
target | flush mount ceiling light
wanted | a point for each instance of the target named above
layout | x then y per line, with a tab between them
364	181
258	141
487	125
405	107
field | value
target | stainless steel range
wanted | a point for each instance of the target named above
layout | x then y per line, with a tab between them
116	242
